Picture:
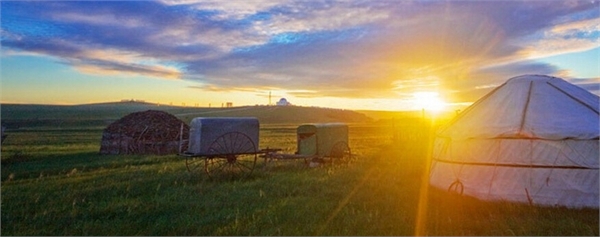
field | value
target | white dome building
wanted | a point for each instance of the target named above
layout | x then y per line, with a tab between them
283	102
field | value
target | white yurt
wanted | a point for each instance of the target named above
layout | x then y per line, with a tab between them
534	139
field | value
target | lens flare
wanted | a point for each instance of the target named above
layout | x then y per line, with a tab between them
430	101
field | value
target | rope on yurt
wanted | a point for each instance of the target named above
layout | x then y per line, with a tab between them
528	197
455	186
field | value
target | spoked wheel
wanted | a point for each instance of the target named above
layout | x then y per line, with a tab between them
234	156
340	153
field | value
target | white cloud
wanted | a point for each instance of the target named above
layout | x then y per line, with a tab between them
336	17
223	40
297	16
230	9
336	48
95	18
565	38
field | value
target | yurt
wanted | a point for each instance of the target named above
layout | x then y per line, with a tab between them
146	132
534	139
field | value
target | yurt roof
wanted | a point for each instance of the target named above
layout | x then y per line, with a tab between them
530	106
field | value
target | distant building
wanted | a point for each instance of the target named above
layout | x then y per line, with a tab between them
132	100
283	102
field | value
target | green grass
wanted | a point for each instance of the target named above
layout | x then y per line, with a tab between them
100	115
55	183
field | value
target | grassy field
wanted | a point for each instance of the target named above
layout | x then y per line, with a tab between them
55	183
100	115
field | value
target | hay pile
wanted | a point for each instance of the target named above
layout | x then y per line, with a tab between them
148	132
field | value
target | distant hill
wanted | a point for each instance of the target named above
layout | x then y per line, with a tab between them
283	114
102	114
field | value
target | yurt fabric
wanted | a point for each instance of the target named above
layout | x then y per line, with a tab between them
534	139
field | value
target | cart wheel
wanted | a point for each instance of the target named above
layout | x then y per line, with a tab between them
235	156
340	153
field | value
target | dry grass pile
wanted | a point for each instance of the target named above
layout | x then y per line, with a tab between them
148	132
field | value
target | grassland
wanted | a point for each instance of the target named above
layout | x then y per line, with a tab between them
101	115
55	183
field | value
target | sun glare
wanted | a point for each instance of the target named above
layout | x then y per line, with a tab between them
430	101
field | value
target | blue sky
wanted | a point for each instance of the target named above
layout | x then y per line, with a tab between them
342	54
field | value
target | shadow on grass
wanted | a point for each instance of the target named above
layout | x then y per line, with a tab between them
22	166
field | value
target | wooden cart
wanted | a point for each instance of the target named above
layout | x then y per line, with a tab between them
319	143
228	147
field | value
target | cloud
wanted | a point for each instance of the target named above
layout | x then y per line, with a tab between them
485	79
349	49
224	10
110	68
308	18
590	84
96	60
448	44
565	38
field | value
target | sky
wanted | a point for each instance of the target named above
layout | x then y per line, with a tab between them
375	55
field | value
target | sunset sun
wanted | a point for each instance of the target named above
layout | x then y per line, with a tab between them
429	101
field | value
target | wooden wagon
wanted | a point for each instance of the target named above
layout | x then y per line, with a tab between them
320	143
229	146
223	146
